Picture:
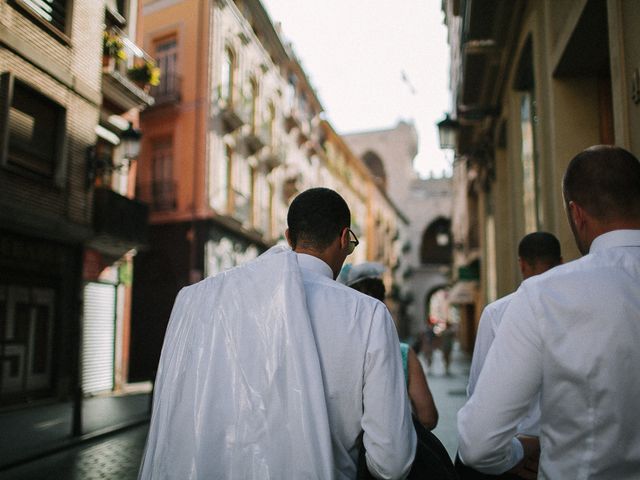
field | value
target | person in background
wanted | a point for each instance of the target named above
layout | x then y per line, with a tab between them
367	278
571	335
538	252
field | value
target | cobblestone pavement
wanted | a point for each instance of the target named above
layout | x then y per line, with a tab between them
116	457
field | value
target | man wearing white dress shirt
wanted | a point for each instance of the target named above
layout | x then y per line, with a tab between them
538	252
571	335
272	370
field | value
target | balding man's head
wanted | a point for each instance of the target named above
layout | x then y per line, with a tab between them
605	181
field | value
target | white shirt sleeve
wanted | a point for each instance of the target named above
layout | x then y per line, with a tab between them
389	436
510	378
484	339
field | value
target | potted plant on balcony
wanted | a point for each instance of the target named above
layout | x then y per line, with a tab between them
112	49
145	74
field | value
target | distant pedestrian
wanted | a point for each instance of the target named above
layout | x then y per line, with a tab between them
272	370
447	339
571	335
538	252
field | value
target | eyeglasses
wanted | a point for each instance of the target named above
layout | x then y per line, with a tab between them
353	241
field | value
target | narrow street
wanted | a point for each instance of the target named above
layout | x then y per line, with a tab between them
117	456
449	393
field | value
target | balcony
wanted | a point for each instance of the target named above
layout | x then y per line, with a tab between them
119	223
228	116
159	195
251	141
126	72
291	120
169	90
271	157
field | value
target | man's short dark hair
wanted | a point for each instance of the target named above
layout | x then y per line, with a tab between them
605	181
540	247
316	218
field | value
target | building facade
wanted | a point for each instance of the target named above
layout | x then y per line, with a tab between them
425	247
533	84
225	151
69	224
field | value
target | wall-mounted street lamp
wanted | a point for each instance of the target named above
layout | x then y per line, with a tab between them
448	132
99	162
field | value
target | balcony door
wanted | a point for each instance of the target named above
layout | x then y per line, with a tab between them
166	55
163	186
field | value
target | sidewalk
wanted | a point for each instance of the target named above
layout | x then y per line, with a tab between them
115	457
33	431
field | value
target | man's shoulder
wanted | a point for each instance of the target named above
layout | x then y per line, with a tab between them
500	303
563	275
344	292
496	308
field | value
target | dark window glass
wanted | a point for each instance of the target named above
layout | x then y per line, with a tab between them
52	11
35	126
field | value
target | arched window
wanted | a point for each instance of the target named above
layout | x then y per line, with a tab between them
227	76
436	242
375	165
253	104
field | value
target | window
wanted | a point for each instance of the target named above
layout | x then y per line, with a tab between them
253	104
525	83
31	129
303	105
530	177
227	76
268	125
241	182
254	198
166	55
376	167
51	12
223	181
163	186
290	92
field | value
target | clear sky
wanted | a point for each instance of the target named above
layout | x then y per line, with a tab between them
356	53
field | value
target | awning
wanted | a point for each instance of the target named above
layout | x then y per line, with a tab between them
463	292
107	135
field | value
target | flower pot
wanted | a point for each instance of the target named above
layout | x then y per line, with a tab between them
108	63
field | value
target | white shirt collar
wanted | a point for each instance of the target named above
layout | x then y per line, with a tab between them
309	262
616	238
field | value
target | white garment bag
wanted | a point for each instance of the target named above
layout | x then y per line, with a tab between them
239	392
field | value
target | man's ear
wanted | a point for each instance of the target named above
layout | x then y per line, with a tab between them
577	214
286	235
344	238
523	267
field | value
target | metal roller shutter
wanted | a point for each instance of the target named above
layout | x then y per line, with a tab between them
98	337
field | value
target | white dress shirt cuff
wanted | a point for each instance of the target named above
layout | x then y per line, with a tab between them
517	453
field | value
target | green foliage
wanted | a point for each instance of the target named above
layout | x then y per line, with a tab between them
146	73
112	46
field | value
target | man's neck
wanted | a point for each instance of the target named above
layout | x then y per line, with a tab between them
323	255
602	227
